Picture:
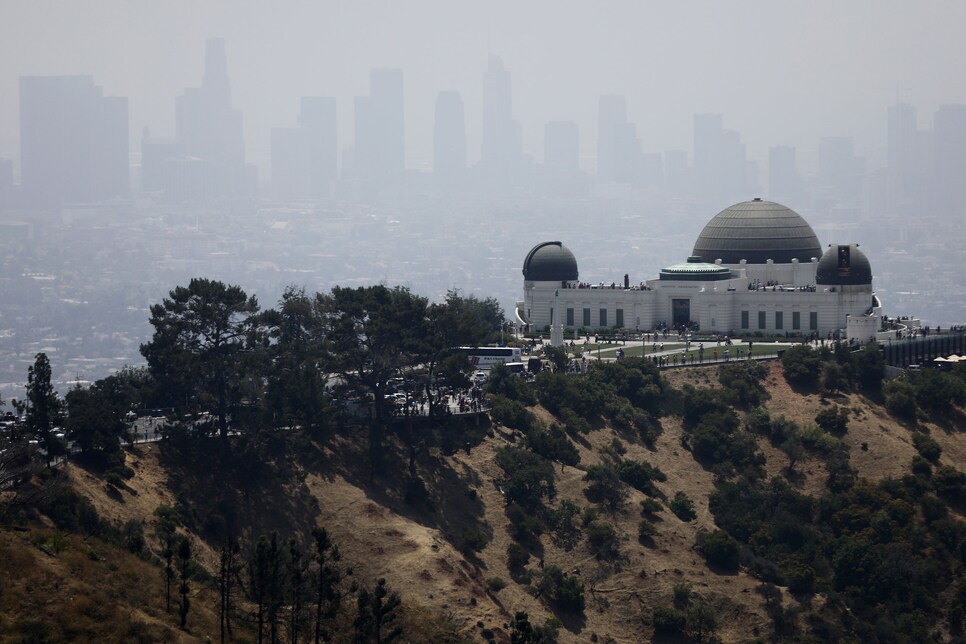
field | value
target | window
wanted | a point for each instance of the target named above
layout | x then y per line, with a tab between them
603	317
813	320
586	317
570	317
779	320
620	318
796	320
761	320
744	319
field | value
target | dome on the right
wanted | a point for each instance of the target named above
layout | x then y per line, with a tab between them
757	231
843	265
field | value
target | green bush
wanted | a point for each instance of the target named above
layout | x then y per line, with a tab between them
719	549
645	530
683	507
553	444
517	558
900	399
605	485
834	420
802	365
566	592
529	478
602	540
667	621
927	447
650	507
495	584
474	540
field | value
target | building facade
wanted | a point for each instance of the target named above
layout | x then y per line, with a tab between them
756	267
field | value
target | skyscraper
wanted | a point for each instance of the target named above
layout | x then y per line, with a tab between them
611	119
305	158
210	132
784	183
949	132
720	163
501	151
380	153
902	168
204	119
449	140
73	141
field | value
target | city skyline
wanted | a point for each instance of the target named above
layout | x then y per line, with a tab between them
833	78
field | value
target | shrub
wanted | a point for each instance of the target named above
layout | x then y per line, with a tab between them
553	444
801	365
667	621
833	420
474	540
605	485
511	413
719	549
683	507
682	595
526	526
900	399
650	507
495	584
529	478
927	447
602	539
640	475
566	592
517	558
645	530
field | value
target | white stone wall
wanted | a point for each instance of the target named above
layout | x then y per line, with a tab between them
713	306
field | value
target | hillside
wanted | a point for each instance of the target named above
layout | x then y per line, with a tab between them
443	553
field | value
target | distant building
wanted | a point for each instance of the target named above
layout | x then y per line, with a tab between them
207	159
305	158
73	142
784	182
611	122
501	154
449	140
756	267
949	133
379	153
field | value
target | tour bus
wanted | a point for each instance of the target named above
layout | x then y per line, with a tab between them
486	357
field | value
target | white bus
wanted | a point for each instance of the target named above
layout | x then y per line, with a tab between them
486	357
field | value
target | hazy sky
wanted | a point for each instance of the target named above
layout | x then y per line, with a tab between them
781	72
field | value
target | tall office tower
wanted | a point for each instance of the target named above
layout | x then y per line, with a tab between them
305	158
949	133
611	119
901	166
721	170
73	141
6	183
501	152
379	155
784	183
708	157
840	172
204	119
449	140
210	131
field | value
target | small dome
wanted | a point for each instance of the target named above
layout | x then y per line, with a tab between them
695	270
550	262
843	265
757	231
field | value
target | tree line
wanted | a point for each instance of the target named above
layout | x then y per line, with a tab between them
218	361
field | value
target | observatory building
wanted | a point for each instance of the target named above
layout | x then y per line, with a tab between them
756	267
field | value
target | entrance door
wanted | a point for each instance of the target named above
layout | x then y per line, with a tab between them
680	312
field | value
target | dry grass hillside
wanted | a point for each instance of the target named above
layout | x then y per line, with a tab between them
417	546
